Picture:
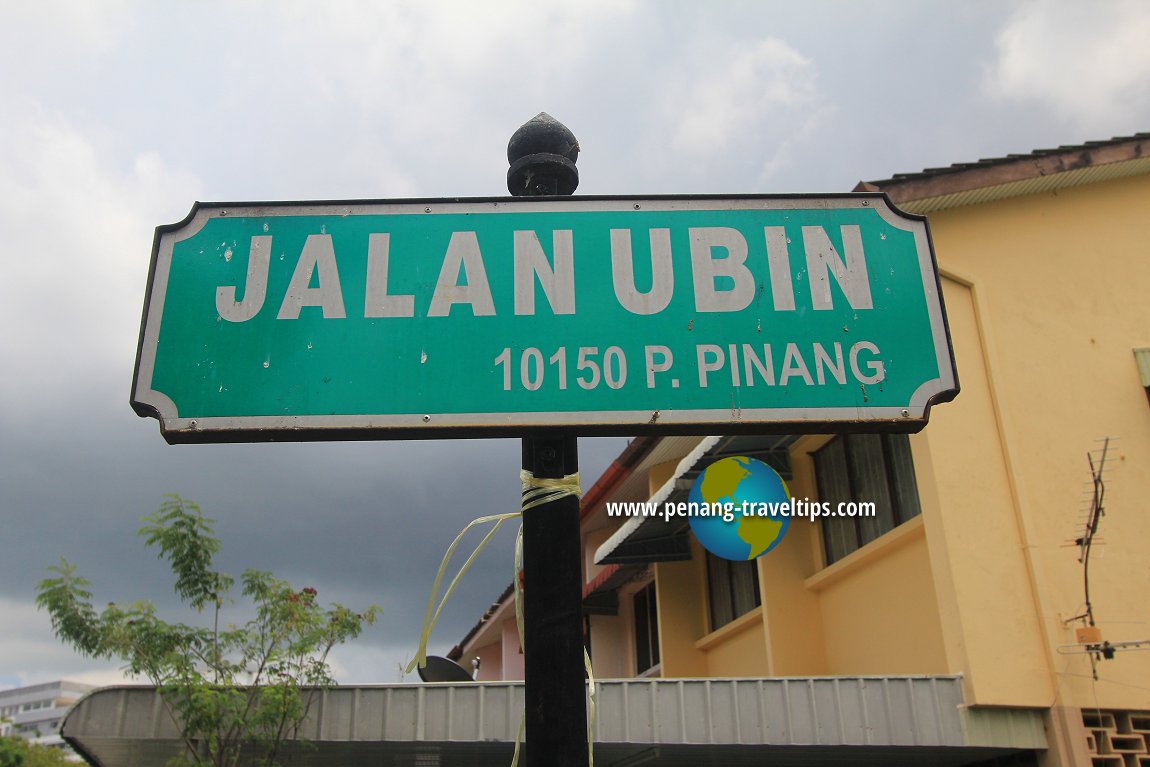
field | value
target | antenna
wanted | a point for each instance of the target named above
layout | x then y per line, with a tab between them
1089	636
1093	519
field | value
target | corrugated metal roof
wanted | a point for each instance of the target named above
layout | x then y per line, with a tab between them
818	720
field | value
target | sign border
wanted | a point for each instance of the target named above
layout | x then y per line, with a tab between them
148	402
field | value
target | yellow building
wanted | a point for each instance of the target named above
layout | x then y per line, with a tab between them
970	573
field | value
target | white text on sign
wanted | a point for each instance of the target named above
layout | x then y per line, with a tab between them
744	365
720	277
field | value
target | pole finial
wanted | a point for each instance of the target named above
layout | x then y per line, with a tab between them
542	154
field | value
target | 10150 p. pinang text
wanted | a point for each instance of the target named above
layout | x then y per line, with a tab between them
589	367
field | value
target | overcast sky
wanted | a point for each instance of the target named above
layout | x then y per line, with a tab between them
117	115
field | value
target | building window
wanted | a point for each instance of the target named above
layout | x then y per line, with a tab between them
732	589
865	468
646	629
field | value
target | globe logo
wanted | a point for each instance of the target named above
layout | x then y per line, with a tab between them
735	484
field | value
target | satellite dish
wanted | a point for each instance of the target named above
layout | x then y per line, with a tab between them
443	670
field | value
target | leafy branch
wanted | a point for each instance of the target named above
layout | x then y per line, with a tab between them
235	692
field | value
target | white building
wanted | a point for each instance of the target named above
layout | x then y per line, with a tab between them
35	712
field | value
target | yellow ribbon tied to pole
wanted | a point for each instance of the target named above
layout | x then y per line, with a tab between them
536	492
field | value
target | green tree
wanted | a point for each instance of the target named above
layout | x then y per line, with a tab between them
45	756
13	752
17	752
237	692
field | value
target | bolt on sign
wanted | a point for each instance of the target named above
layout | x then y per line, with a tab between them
484	317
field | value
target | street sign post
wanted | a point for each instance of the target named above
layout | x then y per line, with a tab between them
591	315
542	154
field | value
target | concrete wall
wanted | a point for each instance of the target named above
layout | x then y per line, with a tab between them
1048	297
512	655
490	662
611	645
681	593
737	649
879	611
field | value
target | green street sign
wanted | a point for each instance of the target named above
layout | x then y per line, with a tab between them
601	315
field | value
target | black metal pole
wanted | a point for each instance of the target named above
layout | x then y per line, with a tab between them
542	154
